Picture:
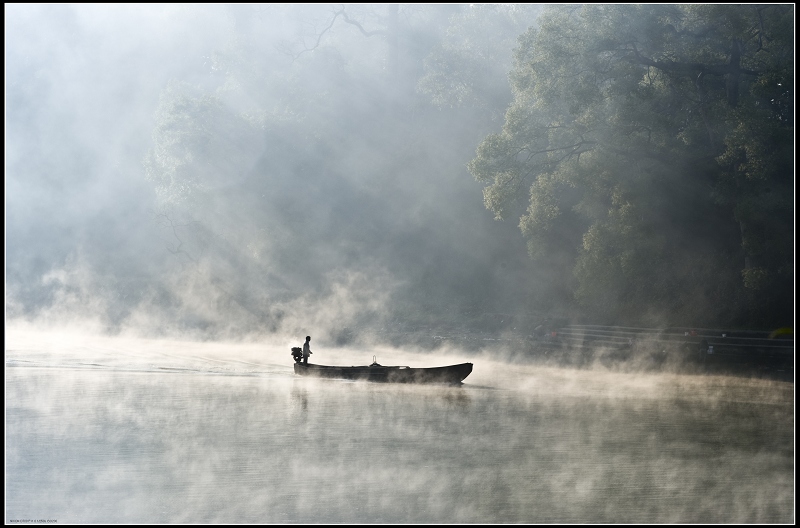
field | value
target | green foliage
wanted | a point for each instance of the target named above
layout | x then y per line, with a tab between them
647	137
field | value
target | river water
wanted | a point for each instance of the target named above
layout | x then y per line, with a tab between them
125	430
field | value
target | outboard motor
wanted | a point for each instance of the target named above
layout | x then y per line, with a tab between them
297	354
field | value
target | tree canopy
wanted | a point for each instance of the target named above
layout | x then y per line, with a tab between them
648	153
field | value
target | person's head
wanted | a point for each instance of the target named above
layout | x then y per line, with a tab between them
308	338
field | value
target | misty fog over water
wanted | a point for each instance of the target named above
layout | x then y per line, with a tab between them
135	431
192	189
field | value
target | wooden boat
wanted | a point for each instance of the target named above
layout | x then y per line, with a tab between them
451	374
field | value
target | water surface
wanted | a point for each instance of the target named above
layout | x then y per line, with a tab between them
138	431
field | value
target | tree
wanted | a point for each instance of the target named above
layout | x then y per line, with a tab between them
653	146
470	66
199	146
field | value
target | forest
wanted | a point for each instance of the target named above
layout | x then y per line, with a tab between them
354	170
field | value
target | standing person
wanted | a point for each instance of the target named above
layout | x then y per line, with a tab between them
306	350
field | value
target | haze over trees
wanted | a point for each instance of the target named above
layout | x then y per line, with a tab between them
308	167
654	148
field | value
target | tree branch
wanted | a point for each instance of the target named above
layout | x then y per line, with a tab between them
165	220
360	27
336	14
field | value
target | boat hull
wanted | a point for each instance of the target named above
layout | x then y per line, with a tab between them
451	374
